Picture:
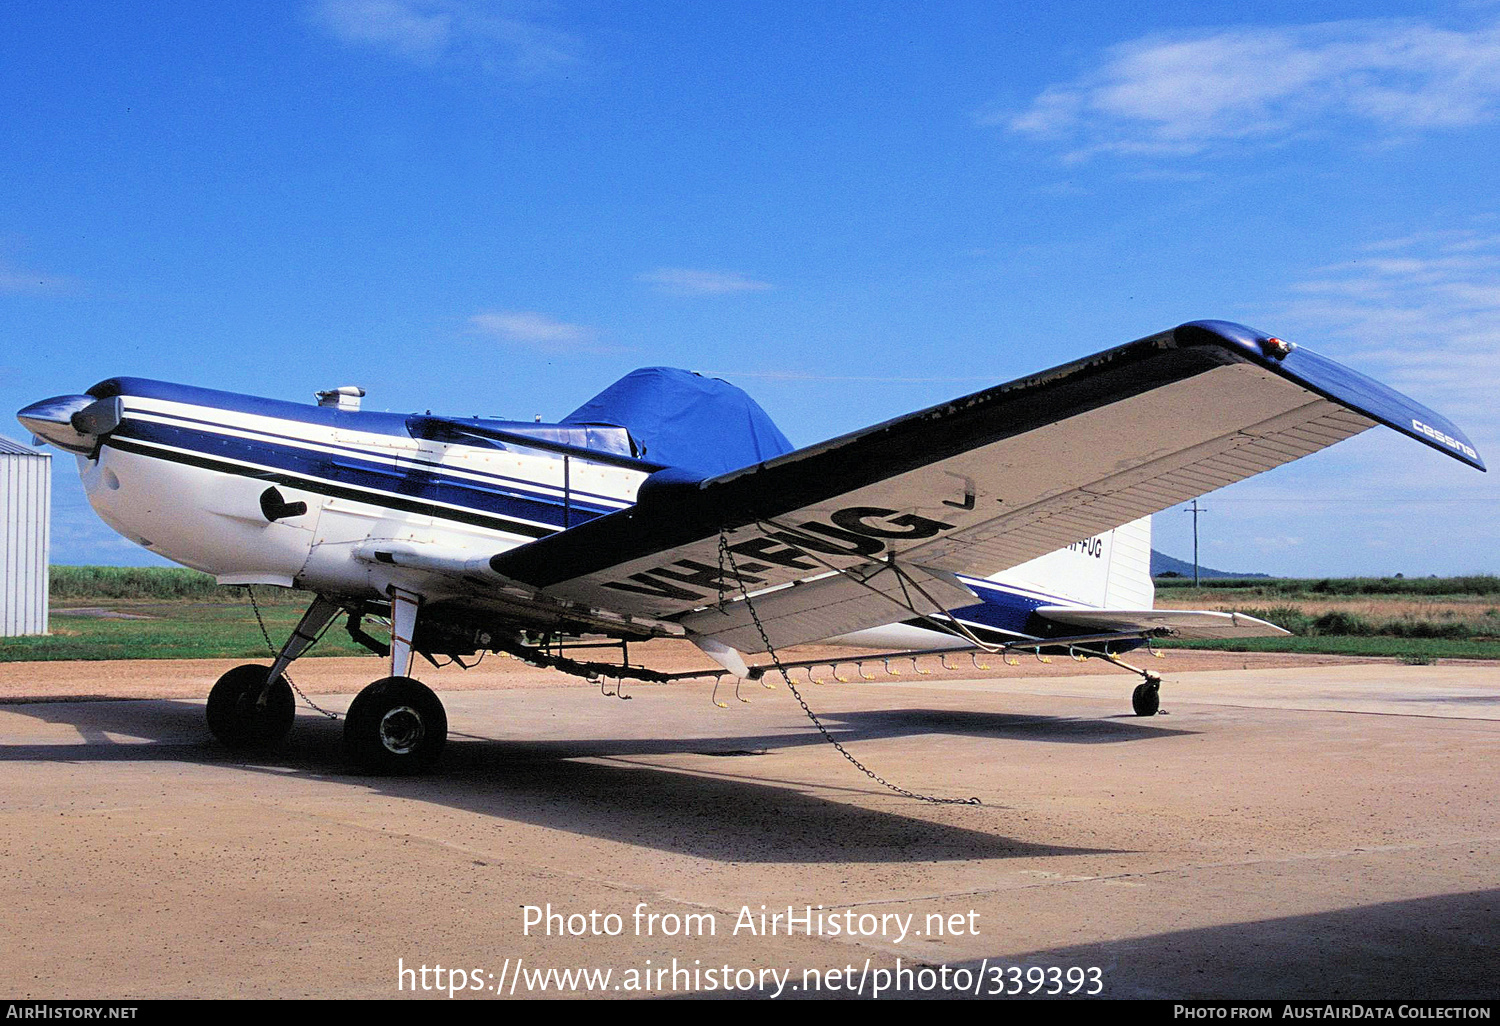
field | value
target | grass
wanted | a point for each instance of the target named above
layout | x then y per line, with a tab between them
174	630
1416	620
1416	651
1474	586
89	585
1341	623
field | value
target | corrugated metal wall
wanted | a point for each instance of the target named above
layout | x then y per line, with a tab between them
26	515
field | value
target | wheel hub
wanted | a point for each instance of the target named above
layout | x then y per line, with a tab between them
401	730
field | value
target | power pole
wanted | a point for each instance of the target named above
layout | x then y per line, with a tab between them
1195	510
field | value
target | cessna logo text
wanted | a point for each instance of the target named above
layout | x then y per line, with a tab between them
1448	440
861	531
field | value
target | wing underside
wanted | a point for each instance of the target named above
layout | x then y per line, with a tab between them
807	611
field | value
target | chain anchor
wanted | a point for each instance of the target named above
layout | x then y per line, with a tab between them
726	553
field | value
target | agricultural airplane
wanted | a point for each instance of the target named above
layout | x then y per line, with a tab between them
1015	518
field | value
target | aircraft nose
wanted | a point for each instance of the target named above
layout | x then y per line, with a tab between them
72	422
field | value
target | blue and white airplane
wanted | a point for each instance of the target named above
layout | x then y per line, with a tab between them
669	506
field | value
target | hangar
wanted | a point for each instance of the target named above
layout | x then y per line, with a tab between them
25	511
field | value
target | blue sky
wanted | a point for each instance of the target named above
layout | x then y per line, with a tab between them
852	210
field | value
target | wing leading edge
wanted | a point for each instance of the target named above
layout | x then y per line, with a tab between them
976	485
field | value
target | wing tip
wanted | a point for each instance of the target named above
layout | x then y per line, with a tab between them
1343	385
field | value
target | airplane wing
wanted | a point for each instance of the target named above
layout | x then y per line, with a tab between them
875	593
976	485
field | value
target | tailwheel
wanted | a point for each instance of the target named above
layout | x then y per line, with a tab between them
246	711
396	725
1146	698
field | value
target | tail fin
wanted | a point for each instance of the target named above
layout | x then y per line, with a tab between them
1108	571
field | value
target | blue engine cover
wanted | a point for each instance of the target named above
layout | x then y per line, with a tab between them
686	420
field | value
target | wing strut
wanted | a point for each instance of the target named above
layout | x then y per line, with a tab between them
908	582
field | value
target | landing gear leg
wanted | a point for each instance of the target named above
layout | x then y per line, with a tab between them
397	725
252	706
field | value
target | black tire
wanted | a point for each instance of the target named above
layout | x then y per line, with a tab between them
237	716
396	725
1146	699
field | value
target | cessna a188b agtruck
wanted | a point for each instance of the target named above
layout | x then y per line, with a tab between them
669	506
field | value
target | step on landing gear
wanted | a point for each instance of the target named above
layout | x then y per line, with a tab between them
397	725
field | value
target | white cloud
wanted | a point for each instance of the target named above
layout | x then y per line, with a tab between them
1179	95
1423	311
1276	543
20	280
469	32
682	281
536	331
393	25
1419	311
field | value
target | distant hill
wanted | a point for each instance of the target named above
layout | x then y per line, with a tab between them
1161	563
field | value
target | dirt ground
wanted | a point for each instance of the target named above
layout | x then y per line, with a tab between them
1315	831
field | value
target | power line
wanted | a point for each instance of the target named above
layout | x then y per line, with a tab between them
1195	510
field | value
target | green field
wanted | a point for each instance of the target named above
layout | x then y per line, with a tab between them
169	613
1418	619
1412	650
1477	586
91	585
106	612
169	630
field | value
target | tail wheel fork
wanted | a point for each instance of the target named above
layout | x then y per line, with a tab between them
1145	700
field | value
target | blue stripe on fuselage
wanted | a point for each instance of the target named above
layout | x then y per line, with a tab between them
280	409
1002	608
375	472
606	503
1011	609
397	424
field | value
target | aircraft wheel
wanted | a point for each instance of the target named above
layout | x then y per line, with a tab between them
238	717
1146	698
396	725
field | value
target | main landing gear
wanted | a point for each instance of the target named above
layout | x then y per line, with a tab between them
396	725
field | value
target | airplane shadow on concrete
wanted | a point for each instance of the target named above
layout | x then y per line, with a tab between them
730	811
1440	948
1434	948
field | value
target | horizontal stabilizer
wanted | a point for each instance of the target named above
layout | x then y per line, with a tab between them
1192	624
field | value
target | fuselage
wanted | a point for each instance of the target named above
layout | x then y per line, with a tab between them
185	472
264	491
